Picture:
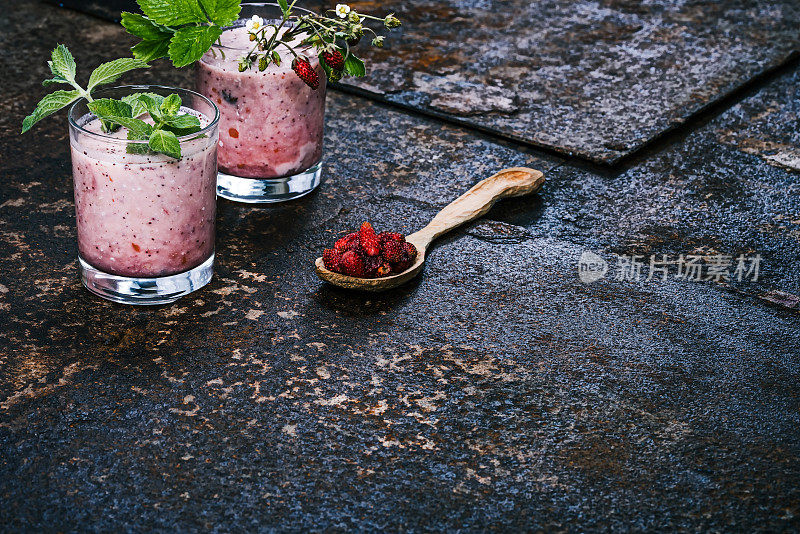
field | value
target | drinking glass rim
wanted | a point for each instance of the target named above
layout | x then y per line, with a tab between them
143	88
251	4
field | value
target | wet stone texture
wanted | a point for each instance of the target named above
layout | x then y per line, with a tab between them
595	79
496	391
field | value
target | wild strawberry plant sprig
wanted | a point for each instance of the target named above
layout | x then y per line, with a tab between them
331	34
182	30
161	136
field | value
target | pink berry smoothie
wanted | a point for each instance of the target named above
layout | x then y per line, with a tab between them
271	123
143	215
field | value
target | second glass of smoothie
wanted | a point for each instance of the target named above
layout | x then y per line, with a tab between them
271	122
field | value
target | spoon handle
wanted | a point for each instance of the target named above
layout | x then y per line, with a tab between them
511	182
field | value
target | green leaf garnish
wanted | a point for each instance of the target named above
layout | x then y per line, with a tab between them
107	108
111	71
223	12
136	127
172	12
183	30
138	148
284	7
162	136
63	67
103	107
150	50
49	105
137	106
170	106
165	142
190	43
183	125
153	104
354	66
63	64
144	28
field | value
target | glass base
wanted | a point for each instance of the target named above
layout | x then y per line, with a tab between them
143	291
268	190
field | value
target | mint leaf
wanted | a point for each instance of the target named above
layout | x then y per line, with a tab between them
172	12
63	64
108	107
222	12
138	107
165	142
190	43
152	103
112	70
170	106
138	148
149	50
144	28
49	105
354	66
54	81
183	125
135	127
103	107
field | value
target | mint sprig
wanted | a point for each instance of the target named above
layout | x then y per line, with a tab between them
63	67
168	123
183	30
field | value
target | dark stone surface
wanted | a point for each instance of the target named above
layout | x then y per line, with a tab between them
595	79
497	391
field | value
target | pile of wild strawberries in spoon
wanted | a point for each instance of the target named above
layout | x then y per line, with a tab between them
365	254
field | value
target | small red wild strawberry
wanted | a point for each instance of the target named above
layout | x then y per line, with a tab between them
352	264
330	259
401	266
369	240
305	72
393	251
371	266
390	236
334	60
411	250
348	242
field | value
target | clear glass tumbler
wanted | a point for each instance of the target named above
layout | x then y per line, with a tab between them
271	122
145	220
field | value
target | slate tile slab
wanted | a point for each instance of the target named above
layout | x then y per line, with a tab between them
595	79
729	188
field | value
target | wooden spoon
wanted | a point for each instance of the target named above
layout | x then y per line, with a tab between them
512	182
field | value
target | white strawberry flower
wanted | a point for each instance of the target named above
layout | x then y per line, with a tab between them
342	10
254	24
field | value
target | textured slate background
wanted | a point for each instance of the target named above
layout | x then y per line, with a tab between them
495	392
595	79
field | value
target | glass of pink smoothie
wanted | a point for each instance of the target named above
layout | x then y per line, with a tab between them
145	220
271	123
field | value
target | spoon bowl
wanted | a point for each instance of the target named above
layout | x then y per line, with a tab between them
373	284
511	182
